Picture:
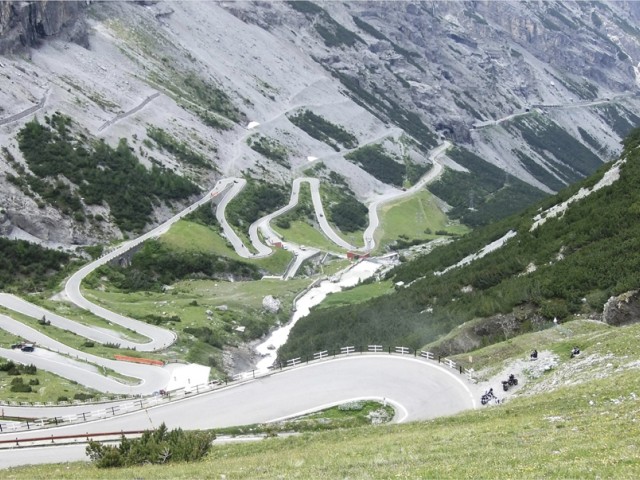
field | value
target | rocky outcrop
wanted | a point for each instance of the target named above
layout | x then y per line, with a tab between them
271	304
485	331
623	309
26	24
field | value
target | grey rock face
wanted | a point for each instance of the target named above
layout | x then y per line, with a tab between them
25	24
623	309
271	304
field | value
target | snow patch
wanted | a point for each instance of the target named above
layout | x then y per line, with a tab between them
485	250
608	178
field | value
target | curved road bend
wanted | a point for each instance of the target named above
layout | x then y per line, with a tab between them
237	184
82	367
418	389
263	224
430	176
160	337
97	334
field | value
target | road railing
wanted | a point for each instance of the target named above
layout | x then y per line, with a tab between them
132	404
372	349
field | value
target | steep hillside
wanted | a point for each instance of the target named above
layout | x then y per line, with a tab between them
562	259
266	90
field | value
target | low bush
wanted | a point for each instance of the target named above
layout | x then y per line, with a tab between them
83	396
18	385
154	447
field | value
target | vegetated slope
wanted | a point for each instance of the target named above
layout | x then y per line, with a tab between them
484	193
569	264
155	265
72	173
28	267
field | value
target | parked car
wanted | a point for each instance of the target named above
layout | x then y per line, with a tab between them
28	347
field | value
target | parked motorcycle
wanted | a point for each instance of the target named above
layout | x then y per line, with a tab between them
511	382
486	398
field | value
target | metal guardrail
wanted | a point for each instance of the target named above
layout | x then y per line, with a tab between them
140	403
85	436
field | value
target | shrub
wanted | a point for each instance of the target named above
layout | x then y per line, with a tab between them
270	148
27	265
323	130
83	396
374	160
28	369
178	149
349	214
154	447
18	385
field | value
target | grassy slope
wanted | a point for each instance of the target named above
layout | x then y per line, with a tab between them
190	300
49	388
584	430
190	236
304	234
357	294
413	217
410	217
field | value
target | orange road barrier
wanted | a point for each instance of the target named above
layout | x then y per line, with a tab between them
145	361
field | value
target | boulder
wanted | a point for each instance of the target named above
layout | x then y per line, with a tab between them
271	304
623	309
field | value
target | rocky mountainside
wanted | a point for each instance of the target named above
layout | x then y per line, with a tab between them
543	90
26	24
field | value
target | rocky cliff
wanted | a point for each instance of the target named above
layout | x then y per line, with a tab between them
26	24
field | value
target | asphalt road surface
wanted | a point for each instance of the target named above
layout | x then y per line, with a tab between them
417	388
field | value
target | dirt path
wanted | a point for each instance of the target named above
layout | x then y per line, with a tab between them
124	115
525	370
28	111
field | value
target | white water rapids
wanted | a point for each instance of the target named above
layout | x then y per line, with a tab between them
269	348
